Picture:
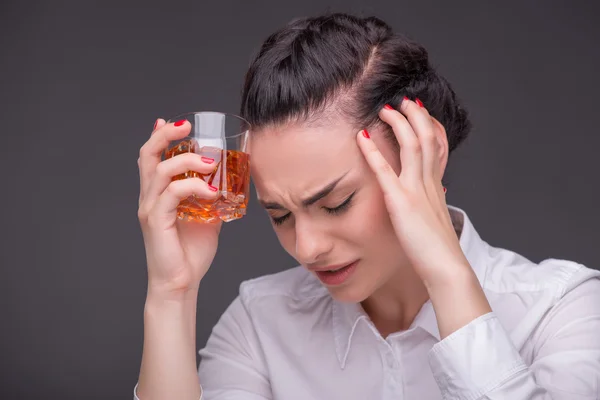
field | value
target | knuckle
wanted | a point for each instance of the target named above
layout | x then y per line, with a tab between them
398	127
162	169
373	151
190	160
426	135
179	188
400	124
142	213
384	166
178	164
414	146
173	187
429	138
143	151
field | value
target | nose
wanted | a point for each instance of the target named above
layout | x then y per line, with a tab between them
312	243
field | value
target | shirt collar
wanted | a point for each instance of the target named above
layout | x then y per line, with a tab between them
347	316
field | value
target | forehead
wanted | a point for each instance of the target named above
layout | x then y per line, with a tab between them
296	160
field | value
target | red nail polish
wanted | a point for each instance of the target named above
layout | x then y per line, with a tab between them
211	187
445	190
388	107
403	103
366	134
180	122
419	102
207	160
155	123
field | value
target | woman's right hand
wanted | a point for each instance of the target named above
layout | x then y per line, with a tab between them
178	253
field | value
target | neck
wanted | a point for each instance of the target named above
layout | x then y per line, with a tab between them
396	304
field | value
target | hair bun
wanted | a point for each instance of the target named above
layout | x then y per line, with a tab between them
313	63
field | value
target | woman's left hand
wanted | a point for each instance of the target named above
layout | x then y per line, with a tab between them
416	202
415	198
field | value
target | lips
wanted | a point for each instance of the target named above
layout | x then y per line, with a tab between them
331	268
337	276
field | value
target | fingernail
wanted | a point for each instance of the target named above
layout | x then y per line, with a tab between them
366	134
419	102
388	107
155	123
403	102
445	190
208	160
211	187
180	122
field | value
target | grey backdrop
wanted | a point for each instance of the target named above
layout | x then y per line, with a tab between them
82	83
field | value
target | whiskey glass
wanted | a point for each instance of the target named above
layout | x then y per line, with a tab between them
224	138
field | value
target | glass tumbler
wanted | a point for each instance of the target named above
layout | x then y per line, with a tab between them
224	138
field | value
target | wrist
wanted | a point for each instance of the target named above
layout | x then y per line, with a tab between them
455	276
162	293
457	298
171	310
163	304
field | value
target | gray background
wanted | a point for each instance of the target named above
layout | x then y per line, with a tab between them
82	83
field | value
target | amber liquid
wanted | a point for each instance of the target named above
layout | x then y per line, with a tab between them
231	176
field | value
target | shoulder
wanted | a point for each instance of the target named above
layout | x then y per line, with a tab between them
284	306
271	299
294	284
509	272
532	296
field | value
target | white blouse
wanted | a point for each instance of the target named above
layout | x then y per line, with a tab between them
284	337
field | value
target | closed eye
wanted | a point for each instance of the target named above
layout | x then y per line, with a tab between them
330	210
341	207
280	220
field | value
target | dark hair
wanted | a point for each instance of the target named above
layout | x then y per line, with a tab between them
343	63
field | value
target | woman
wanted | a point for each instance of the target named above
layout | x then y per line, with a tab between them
397	296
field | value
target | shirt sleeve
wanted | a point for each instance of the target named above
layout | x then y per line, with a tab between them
232	366
135	396
479	361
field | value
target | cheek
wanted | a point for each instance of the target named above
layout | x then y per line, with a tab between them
373	216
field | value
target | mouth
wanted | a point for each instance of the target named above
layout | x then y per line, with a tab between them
336	275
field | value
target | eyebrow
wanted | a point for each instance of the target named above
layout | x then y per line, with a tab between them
310	200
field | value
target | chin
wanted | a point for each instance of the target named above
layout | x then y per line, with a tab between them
350	292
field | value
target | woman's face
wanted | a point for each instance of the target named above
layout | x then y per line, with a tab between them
326	205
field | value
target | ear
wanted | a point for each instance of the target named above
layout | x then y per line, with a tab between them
442	138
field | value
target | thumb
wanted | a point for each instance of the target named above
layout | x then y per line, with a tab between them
158	124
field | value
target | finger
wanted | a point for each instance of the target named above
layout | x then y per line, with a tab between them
385	174
180	164
420	120
410	148
151	151
163	214
159	123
